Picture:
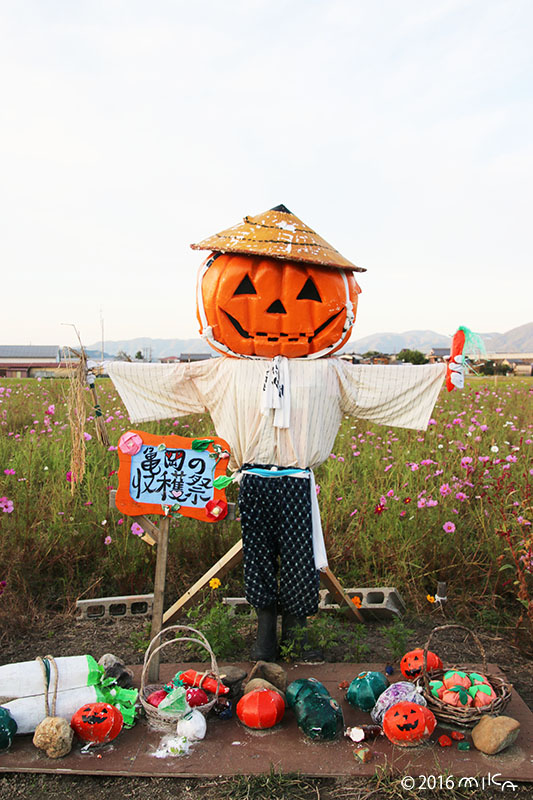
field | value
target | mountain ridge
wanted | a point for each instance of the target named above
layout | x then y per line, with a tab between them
516	340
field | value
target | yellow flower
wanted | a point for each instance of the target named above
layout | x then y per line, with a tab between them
214	583
430	598
356	601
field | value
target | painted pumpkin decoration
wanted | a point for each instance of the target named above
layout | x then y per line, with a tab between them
437	689
457	696
482	694
412	663
261	708
454	677
408	724
264	307
97	723
8	729
365	689
477	677
304	687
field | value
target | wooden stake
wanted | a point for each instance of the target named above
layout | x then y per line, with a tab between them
330	582
159	593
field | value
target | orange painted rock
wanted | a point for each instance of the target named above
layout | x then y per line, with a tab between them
261	708
412	663
408	724
97	723
454	677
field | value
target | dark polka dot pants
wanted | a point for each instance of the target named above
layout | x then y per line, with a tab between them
276	527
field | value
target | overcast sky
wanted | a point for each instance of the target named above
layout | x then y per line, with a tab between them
400	131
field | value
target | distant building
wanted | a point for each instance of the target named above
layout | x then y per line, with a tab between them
27	361
438	355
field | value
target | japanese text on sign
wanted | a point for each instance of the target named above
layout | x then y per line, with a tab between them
168	476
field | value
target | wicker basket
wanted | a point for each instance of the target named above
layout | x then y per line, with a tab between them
158	718
463	717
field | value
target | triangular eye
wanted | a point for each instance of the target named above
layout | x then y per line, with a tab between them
245	286
309	291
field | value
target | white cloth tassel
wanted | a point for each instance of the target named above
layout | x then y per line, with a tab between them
276	392
319	546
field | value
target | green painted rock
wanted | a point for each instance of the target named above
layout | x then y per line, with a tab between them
8	728
365	689
304	687
319	716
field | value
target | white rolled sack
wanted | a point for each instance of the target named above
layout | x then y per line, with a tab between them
26	679
28	712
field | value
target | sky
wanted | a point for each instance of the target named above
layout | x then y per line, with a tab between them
400	131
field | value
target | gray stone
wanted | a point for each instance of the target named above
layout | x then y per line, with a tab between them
493	734
261	683
54	736
270	672
232	675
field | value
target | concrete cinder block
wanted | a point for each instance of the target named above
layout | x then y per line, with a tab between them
379	602
126	605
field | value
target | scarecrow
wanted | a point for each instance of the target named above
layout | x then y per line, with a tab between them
276	301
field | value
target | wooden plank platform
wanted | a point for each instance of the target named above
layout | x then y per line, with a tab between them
229	748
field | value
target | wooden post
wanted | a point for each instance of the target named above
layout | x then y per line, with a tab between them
330	582
159	593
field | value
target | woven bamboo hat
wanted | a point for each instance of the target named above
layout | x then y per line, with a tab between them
277	233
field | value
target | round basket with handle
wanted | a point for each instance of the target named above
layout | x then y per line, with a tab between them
462	716
158	718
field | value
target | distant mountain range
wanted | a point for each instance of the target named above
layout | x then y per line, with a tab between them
517	340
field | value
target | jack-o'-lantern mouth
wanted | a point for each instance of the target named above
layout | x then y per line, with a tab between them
289	337
408	726
413	673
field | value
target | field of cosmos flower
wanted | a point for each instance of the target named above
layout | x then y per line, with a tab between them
399	508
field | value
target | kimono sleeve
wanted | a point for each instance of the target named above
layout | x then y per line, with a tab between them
157	391
395	395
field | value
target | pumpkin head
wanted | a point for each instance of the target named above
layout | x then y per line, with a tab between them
266	307
365	689
96	723
408	724
261	708
412	664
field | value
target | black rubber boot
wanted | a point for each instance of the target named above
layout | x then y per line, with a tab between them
294	639
265	647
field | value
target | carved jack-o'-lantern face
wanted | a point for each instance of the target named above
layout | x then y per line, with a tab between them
254	306
407	724
412	664
97	723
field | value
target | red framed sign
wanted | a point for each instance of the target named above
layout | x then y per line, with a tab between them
170	475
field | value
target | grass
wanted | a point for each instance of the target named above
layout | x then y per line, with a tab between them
398	507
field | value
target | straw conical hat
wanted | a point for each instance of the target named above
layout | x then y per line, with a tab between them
277	234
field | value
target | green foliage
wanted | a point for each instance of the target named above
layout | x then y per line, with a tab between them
215	620
53	544
397	637
412	356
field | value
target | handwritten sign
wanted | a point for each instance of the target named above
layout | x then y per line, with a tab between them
172	475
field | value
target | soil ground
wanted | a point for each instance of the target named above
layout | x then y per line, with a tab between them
126	637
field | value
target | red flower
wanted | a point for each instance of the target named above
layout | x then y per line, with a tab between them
407	500
379	509
216	509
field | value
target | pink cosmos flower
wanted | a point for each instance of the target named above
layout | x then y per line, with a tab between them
448	527
50	410
9	472
108	540
87	436
136	529
6	505
461	496
445	489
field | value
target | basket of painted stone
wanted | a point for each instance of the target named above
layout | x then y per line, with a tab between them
459	697
157	717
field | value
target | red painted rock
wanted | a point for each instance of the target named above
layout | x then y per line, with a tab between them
408	724
97	723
